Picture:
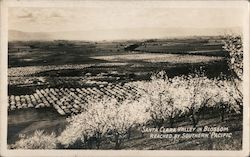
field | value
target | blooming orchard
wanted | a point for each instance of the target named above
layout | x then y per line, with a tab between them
187	95
103	117
159	100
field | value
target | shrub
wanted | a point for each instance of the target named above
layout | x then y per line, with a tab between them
38	140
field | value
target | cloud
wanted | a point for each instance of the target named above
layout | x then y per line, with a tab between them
27	15
55	15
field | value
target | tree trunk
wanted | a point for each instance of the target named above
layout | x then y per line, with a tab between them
159	123
98	140
203	112
194	119
210	143
222	115
89	143
222	112
129	132
171	122
142	134
117	141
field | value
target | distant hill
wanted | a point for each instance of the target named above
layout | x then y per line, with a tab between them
118	34
26	36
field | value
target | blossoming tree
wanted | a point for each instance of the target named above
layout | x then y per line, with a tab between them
103	117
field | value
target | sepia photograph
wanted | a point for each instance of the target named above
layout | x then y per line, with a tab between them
126	75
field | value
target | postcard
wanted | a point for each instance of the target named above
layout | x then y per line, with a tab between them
124	78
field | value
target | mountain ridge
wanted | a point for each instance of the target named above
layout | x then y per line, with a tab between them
118	34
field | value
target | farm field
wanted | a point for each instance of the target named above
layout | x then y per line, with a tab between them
49	81
118	61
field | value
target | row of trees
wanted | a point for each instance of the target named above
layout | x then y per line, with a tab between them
188	96
67	100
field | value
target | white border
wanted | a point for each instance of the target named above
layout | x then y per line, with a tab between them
105	3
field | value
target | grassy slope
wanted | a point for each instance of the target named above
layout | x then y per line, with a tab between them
26	121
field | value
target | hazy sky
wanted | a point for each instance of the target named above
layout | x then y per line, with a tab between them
67	19
120	17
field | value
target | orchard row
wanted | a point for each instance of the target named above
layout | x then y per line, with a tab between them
68	100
